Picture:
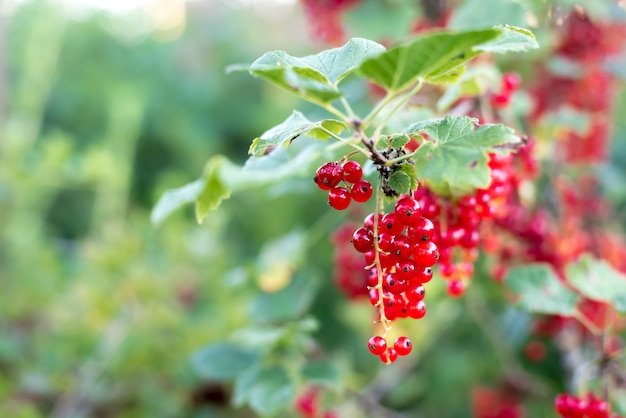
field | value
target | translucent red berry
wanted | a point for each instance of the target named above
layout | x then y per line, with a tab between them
510	81
339	198
363	240
423	230
416	310
426	254
391	224
361	191
455	288
377	345
408	211
352	171
403	346
389	356
328	176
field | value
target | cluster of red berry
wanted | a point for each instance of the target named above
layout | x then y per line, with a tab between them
330	175
307	404
589	406
325	18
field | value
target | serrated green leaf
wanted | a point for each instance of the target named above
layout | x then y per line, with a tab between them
598	280
287	304
223	360
293	127
440	56
267	389
540	290
511	39
320	372
400	182
215	189
315	77
454	159
174	199
411	171
399	140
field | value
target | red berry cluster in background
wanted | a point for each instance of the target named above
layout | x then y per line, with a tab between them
350	274
324	17
589	406
508	85
307	404
330	175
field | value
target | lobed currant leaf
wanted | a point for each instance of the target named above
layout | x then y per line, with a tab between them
400	182
598	280
440	56
315	77
454	160
293	127
540	290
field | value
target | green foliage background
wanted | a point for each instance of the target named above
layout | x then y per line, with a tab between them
100	312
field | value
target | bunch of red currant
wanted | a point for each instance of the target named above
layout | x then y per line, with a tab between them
570	406
508	84
330	175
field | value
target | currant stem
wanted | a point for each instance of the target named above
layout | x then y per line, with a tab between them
344	141
379	285
397	107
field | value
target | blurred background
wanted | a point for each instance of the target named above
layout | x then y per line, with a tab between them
104	105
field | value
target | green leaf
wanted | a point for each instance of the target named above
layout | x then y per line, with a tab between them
293	127
540	290
215	189
411	171
598	280
321	372
223	360
174	199
315	77
266	389
399	140
454	160
400	182
440	56
285	305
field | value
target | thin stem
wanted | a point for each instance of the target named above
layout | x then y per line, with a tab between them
344	141
379	106
347	108
399	159
398	105
332	109
379	271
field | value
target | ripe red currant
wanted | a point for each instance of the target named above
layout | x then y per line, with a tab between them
328	176
426	254
408	211
361	191
352	171
403	346
455	288
389	356
339	198
363	240
377	345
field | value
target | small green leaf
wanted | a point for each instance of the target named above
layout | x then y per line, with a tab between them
215	189
293	127
287	304
598	280
223	361
266	389
454	160
315	77
320	372
411	171
540	290
174	199
399	140
400	182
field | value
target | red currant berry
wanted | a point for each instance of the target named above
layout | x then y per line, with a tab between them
403	346
339	198
408	211
385	242
500	100
510	82
597	408
455	288
424	230
426	254
405	269
368	222
352	171
361	191
415	294
417	310
328	176
377	345
363	240
424	275
393	284
389	356
391	224
402	246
